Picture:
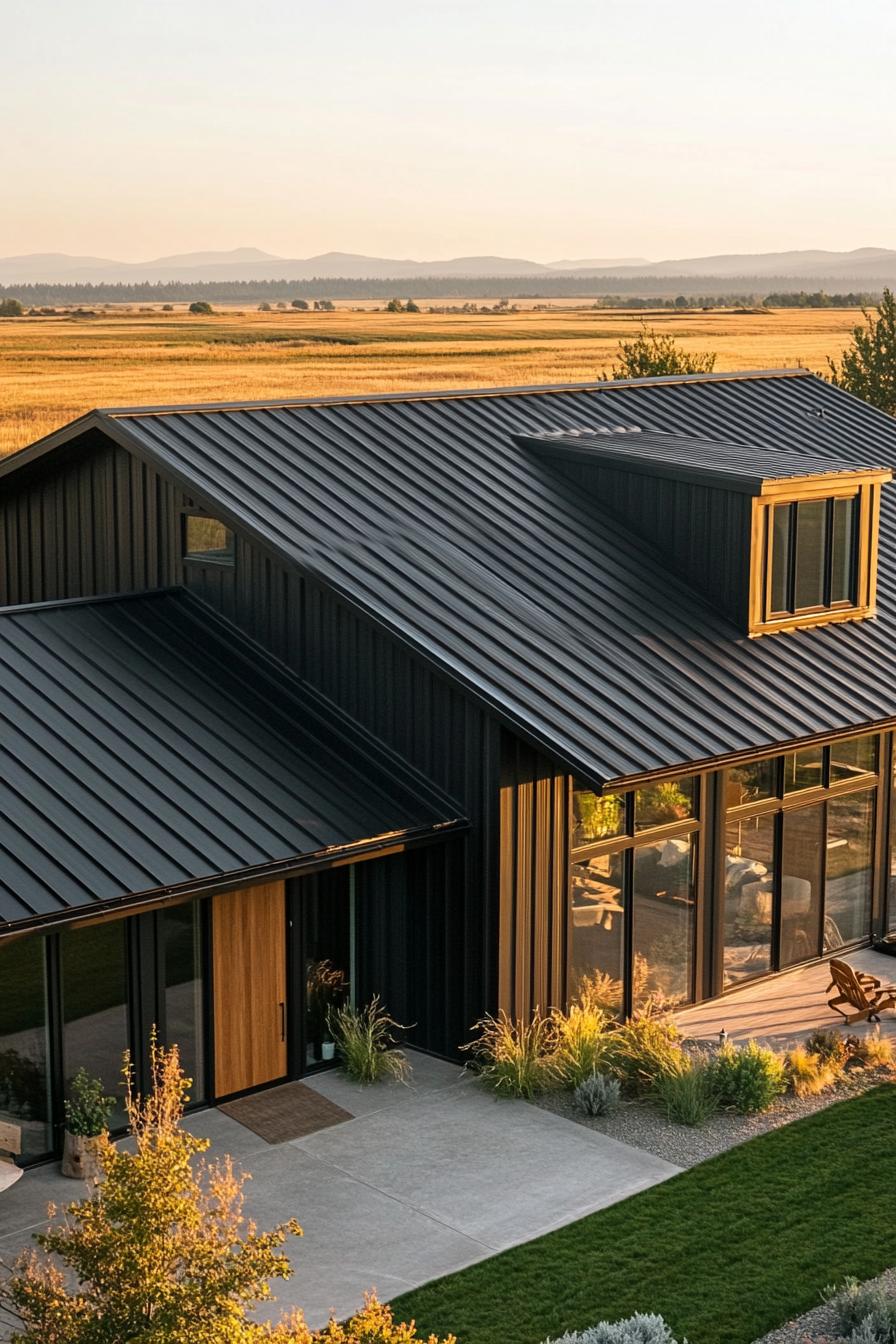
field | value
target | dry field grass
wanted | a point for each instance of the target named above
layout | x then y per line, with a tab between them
54	368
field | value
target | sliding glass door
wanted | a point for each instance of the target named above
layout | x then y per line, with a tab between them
25	1090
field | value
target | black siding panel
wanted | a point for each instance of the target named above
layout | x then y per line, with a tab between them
101	523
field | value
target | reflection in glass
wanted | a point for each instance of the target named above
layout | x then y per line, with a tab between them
802	848
855	756
182	953
811	548
598	929
843	550
663	929
781	525
24	1075
849	869
669	800
94	1004
750	782
327	921
803	769
596	816
207	539
749	897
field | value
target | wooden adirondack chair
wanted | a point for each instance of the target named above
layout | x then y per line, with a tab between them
864	994
10	1142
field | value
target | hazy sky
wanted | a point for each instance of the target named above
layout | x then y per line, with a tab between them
427	128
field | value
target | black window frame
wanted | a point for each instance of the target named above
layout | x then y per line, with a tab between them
221	559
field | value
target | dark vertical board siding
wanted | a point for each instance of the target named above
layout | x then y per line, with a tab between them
101	523
533	880
705	532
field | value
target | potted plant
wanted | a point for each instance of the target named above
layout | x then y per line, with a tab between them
326	988
87	1111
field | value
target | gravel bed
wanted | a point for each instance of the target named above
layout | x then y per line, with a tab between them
643	1125
819	1324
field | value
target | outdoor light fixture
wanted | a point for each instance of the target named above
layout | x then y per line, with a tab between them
723	1038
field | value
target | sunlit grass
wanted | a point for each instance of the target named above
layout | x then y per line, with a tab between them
53	369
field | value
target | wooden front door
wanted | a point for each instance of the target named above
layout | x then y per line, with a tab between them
249	975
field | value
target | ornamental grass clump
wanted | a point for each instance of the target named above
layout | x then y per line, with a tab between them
830	1047
749	1078
874	1051
809	1073
514	1058
365	1044
578	1041
691	1096
642	1051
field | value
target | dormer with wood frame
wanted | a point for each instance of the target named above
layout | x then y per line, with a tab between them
777	540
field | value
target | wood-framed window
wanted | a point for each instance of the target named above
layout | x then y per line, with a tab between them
814	552
633	884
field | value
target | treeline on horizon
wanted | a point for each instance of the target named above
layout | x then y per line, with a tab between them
664	292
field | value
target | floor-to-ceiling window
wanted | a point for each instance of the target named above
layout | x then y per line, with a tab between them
25	1094
633	894
180	934
327	944
94	983
799	856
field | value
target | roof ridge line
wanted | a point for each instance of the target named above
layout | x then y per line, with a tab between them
449	393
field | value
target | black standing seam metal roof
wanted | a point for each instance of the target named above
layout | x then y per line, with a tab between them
425	513
146	745
683	457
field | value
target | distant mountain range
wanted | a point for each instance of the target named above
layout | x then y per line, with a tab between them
862	267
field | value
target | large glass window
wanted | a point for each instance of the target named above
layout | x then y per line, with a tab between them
799	864
663	922
597	954
94	1004
802	846
749	897
632	894
180	932
24	1054
850	869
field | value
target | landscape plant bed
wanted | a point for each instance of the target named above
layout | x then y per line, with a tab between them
725	1251
819	1325
641	1122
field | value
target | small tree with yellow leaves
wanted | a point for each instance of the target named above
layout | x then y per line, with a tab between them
162	1254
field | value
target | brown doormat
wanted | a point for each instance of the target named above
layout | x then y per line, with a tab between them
290	1111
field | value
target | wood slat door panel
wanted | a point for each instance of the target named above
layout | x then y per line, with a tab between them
249	973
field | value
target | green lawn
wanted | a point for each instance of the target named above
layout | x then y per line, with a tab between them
725	1251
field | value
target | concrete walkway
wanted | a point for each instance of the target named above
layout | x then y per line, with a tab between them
426	1179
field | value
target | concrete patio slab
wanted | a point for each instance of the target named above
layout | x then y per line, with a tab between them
427	1179
787	1008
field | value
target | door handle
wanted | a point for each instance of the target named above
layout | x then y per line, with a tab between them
282	1020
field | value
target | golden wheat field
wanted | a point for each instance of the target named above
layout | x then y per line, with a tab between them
54	368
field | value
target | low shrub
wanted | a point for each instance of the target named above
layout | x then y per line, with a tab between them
372	1325
809	1073
513	1057
87	1108
578	1042
598	1095
641	1051
830	1047
365	1044
874	1051
748	1077
691	1096
865	1313
635	1330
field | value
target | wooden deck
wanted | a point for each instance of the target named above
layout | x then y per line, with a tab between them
786	1008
